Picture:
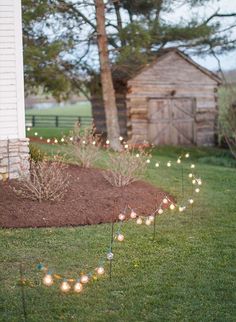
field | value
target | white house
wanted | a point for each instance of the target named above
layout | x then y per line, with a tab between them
13	143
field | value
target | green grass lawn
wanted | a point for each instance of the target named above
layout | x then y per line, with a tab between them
187	274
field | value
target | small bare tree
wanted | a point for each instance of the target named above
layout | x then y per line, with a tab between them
126	167
46	181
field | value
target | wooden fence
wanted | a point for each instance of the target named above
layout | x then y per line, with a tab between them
56	121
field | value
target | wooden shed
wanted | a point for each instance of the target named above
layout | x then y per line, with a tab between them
171	101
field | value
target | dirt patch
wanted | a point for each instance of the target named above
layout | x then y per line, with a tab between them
90	200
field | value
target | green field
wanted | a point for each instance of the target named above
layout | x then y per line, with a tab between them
187	274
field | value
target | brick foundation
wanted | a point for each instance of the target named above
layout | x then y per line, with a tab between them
14	158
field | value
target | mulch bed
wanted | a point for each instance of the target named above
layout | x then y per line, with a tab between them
90	200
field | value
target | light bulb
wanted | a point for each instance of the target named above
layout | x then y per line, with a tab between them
78	287
126	146
28	128
148	222
48	280
121	217
165	200
197	190
151	218
187	155
181	209
120	237
84	279
48	140
133	214
190	175
137	155
35	133
192	166
62	140
193	181
55	141
172	206
110	256
178	161
107	141
157	165
199	182
84	142
139	221
191	201
41	138
160	211
94	142
168	164
65	286
121	138
71	138
100	270
148	161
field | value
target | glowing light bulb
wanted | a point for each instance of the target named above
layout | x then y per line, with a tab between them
181	209
193	181
35	133
41	138
120	237
121	217
110	256
48	140
191	201
65	286
126	146
197	190
179	161
190	175
84	279
139	221
137	155
62	140
187	155
148	161
151	218
55	141
168	164
192	166
160	211
71	138
148	222
172	206
199	182
133	214
157	165
100	270
78	287
48	280
84	142
165	200
28	129
121	138
94	142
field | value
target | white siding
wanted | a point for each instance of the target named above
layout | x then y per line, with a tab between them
11	71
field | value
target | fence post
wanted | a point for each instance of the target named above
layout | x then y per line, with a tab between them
57	121
33	120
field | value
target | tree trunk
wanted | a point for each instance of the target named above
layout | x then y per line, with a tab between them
108	91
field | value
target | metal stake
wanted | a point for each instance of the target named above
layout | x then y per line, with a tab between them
23	301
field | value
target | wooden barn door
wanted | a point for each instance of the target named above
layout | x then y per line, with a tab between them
171	121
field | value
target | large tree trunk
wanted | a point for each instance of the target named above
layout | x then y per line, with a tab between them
108	92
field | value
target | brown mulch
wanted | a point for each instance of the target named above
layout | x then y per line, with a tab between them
90	200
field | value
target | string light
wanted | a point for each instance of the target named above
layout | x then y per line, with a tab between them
165	200
100	270
160	211
71	138
120	237
94	142
148	161
139	221
194	181
126	146
84	142
148	222
181	209
41	138
55	141
84	279
48	140
137	155
192	166
172	206
35	133
121	217
62	140
179	161
78	287
190	175
121	138
187	155
65	286
157	165
110	256
191	201
48	280
133	214
151	218
169	164
197	190
28	129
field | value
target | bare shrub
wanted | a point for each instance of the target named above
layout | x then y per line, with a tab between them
46	181
85	145
126	167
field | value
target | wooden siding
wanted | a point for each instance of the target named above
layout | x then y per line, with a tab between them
11	71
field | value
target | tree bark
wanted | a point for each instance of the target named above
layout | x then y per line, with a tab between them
113	130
